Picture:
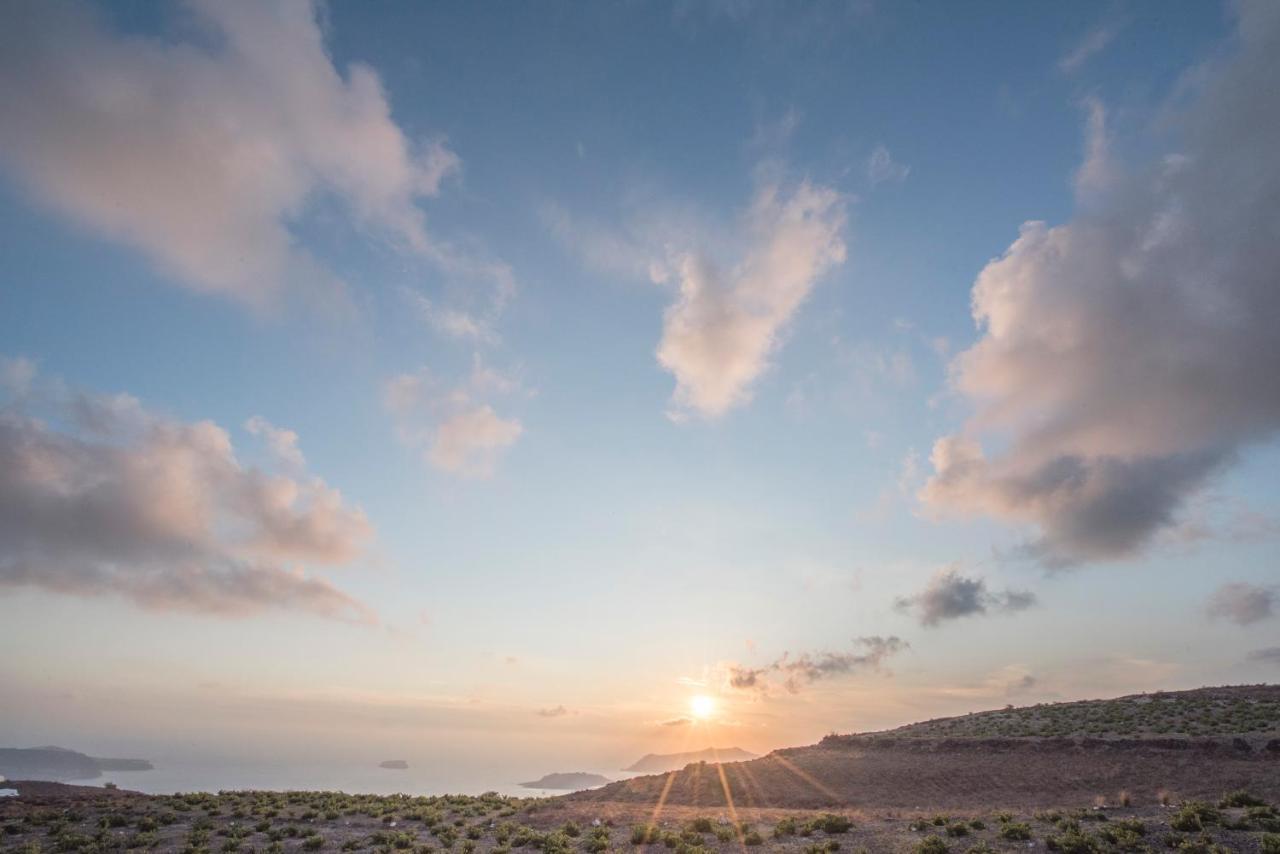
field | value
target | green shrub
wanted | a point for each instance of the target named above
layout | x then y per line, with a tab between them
1073	842
1269	843
784	827
314	842
644	834
957	829
701	824
752	837
1241	798
931	845
1194	816
1015	830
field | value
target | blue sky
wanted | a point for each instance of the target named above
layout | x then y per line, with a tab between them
445	245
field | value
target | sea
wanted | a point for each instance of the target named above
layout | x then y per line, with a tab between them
420	778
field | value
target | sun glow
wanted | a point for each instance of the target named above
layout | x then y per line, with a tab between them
702	707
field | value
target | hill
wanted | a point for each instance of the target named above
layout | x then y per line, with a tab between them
60	764
1234	710
658	763
568	781
1191	743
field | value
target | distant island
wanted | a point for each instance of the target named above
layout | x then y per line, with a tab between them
569	781
658	763
394	764
59	764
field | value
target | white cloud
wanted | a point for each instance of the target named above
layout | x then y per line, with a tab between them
882	167
1127	355
104	497
1096	173
719	335
454	427
201	152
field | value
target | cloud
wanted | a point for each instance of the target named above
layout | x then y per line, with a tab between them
720	334
553	712
806	668
456	430
881	167
283	443
950	595
1097	173
103	497
16	375
676	722
1242	603
1094	42
1127	355
1270	654
201	150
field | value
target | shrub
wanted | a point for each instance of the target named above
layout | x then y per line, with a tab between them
1241	798
931	845
832	823
701	824
1073	842
784	827
752	837
1269	843
314	842
957	829
644	834
1194	816
1015	830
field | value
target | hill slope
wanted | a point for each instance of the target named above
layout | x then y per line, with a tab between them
1191	744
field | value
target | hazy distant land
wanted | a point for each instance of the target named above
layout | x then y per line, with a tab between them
657	763
394	764
60	764
568	781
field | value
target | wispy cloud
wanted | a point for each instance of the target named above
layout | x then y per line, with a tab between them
455	427
105	497
796	672
1093	43
881	167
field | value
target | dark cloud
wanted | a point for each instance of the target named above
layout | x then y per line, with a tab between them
1129	354
950	595
1242	603
553	712
103	497
799	671
1269	654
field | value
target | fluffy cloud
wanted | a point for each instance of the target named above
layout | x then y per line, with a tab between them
799	671
950	595
200	152
718	337
1127	355
456	430
104	497
1242	603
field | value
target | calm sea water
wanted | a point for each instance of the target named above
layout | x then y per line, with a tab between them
356	778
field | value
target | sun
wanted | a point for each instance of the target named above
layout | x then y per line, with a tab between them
702	707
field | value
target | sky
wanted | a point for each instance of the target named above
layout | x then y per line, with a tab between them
481	380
